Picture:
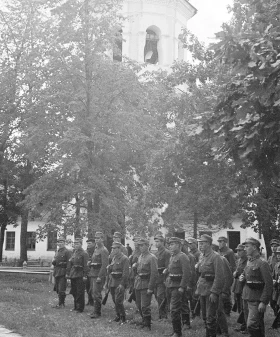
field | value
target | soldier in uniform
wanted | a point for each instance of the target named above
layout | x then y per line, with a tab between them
119	272
61	268
257	288
272	260
210	283
177	282
117	237
133	259
193	249
188	294
229	255
237	285
163	256
276	286
78	273
90	250
145	282
97	273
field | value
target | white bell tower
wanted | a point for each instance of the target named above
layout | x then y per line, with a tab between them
152	28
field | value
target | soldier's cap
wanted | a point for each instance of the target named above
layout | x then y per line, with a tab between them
159	237
275	242
205	238
240	247
215	247
175	240
253	241
99	235
116	245
117	235
222	238
61	239
90	239
78	239
278	250
143	241
192	240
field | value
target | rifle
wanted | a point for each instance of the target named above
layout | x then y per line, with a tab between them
196	309
276	320
162	304
104	301
132	296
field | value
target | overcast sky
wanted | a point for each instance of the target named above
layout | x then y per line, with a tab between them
209	18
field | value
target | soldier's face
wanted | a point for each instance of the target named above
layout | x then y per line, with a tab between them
143	248
273	248
77	245
158	243
115	251
61	244
241	253
90	245
250	249
221	244
174	247
203	246
116	239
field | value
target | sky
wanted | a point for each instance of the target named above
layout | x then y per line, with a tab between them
209	18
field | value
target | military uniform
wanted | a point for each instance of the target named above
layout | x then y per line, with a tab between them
188	294
257	289
237	287
276	286
79	270
179	276
97	274
145	280
211	281
272	260
61	265
119	272
90	251
163	257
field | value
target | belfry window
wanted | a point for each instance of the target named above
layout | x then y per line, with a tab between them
151	47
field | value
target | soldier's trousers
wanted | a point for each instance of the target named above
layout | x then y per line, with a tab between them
96	289
175	298
78	292
88	290
209	314
185	312
143	302
118	299
254	319
240	309
160	293
60	286
221	317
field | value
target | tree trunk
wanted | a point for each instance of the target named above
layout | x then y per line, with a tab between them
3	228
267	235
195	222
23	236
78	212
93	209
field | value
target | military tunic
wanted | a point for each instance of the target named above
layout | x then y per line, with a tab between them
79	269
98	271
90	251
179	276
62	267
119	272
229	255
211	280
257	288
145	279
163	257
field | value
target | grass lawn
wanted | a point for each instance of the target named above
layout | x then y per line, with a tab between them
26	309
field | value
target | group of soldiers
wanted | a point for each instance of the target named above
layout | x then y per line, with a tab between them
187	277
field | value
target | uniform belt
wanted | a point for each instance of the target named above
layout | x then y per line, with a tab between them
176	277
208	277
116	275
78	267
144	276
255	285
96	265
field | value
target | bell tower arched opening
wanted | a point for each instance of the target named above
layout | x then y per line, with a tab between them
152	46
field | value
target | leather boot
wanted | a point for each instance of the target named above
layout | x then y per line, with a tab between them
146	323
177	328
122	319
117	318
186	322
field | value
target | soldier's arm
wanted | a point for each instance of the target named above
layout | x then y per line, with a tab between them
68	256
105	262
219	280
186	268
125	274
268	282
85	264
167	258
231	260
154	273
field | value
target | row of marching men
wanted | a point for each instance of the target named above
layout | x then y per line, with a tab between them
181	277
